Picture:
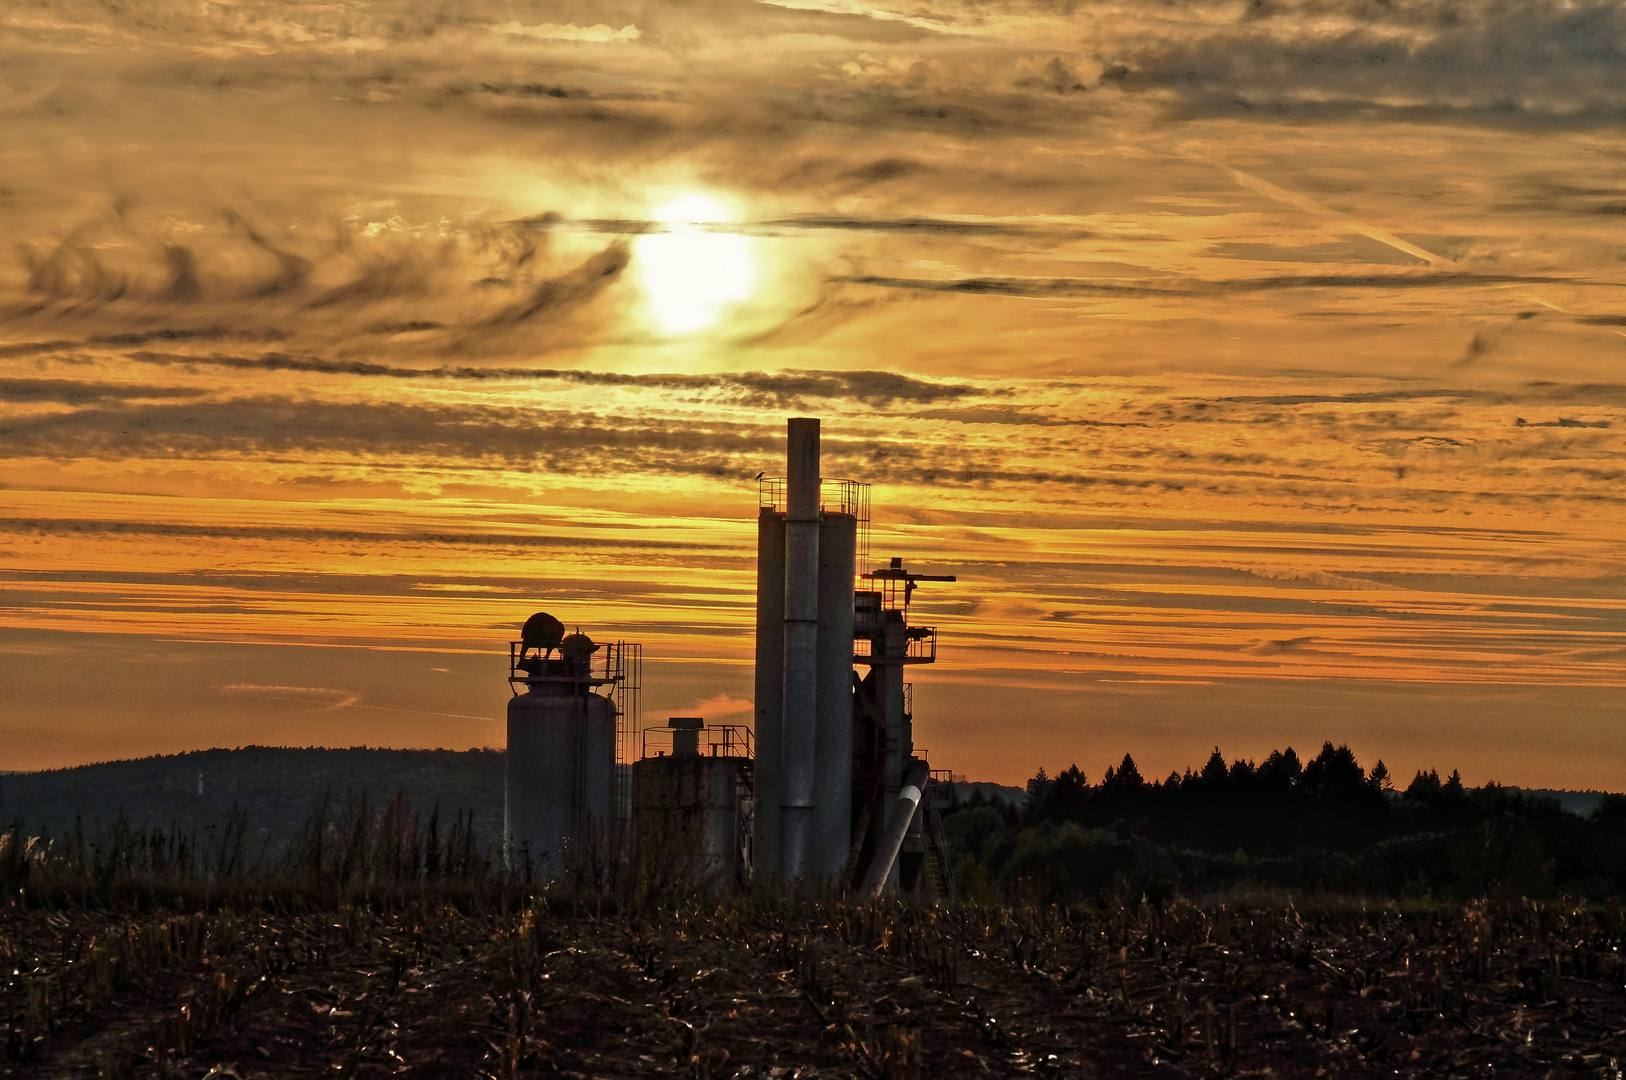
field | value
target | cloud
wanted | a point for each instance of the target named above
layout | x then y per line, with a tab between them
1543	391
571	32
993	414
320	698
1275	648
292	270
1518	62
1058	77
1352	249
1319	578
480	437
1030	288
89	527
1040	288
404	275
475	436
559	295
1561	422
216	333
71	271
78	391
883	169
775	389
721	705
237	278
924	226
182	285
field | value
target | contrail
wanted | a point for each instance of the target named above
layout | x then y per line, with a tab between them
1560	310
1304	202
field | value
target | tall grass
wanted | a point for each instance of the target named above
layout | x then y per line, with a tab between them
342	848
348	850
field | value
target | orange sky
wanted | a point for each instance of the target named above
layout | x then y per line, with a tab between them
1256	369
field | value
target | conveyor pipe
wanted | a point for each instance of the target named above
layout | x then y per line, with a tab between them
904	809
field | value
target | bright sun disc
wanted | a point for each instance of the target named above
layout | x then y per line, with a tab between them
690	273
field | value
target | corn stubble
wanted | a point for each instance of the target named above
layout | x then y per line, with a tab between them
382	945
489	980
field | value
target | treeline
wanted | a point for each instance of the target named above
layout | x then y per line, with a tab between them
1325	824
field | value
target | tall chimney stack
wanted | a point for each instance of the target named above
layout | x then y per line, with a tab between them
798	743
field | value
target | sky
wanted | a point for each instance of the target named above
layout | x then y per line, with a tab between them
1256	366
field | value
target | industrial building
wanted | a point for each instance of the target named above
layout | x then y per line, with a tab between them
824	792
562	785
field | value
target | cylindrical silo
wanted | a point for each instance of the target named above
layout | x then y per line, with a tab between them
833	739
770	685
689	814
559	782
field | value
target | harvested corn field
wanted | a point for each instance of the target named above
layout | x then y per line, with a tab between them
503	987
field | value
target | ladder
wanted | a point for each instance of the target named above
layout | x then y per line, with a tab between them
936	876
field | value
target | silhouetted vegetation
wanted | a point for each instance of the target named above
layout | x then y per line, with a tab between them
367	819
1326	824
343	851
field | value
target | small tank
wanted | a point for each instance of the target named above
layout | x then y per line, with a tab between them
692	813
559	779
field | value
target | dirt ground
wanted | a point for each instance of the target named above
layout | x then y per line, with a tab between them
771	989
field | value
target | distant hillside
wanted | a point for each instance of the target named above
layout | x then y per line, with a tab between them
277	786
990	791
1580	803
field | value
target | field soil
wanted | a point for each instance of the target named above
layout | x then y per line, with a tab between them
431	988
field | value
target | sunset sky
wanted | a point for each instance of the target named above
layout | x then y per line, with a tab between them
1259	367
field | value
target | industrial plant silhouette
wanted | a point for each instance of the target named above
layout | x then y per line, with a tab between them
826	792
801	896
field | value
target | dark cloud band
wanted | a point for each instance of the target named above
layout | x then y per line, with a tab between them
766	388
1041	288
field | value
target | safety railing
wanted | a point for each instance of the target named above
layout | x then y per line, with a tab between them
613	662
920	649
835	497
716	740
923	649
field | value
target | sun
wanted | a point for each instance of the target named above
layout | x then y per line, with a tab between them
691	270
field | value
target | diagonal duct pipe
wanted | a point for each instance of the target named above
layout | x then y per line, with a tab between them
798	747
898	820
